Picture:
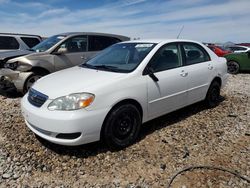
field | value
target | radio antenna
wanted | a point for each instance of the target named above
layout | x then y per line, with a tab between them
180	32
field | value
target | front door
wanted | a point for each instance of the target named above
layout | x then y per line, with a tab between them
74	53
169	92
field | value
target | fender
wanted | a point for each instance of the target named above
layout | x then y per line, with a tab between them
19	82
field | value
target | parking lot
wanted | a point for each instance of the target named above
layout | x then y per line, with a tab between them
192	136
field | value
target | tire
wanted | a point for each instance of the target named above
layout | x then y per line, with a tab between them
213	95
32	79
233	67
121	127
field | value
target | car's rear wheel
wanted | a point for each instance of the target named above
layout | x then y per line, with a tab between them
32	79
233	67
122	126
213	95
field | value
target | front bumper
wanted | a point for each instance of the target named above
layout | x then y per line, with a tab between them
49	124
13	79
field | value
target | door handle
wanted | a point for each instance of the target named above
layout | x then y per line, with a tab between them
210	67
183	73
83	57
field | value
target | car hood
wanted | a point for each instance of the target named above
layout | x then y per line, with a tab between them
74	80
12	54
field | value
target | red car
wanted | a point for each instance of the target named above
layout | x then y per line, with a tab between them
219	51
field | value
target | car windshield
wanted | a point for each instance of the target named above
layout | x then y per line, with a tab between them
122	57
47	43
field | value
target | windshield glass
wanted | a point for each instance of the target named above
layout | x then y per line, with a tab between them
123	57
48	43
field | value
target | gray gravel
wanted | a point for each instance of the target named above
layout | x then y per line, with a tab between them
191	136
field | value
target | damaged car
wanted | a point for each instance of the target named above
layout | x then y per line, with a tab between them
53	54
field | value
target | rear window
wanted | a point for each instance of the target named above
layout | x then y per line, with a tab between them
30	42
8	43
97	43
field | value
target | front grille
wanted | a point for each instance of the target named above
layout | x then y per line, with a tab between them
36	98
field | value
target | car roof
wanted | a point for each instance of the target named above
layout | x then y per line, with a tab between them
95	33
157	41
20	34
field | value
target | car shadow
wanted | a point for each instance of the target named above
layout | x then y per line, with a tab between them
10	94
93	149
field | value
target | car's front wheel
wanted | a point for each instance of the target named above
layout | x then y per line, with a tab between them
32	79
233	67
122	126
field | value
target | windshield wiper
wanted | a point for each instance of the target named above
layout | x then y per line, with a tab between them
30	49
107	67
87	65
101	67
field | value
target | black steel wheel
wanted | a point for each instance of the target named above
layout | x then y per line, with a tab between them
122	126
213	95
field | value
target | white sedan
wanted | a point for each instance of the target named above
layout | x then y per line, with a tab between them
129	83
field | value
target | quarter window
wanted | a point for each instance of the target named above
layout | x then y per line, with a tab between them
167	57
194	54
97	43
8	43
75	44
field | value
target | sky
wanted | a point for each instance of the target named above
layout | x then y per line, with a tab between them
203	20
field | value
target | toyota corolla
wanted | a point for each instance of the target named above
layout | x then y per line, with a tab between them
108	97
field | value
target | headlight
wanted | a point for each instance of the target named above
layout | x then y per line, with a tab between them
11	66
72	102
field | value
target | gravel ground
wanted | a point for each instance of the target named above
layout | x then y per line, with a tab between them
192	136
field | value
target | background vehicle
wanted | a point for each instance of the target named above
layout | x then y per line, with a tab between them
237	62
238	49
219	51
125	85
15	45
56	53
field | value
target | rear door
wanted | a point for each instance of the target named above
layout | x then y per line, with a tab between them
200	70
169	92
74	52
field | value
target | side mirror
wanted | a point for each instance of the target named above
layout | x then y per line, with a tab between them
61	51
150	72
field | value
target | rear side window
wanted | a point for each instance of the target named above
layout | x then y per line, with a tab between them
8	43
97	43
30	42
194	53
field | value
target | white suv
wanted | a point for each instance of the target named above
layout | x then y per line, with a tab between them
14	45
129	83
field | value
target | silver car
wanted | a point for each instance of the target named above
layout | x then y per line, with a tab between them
55	53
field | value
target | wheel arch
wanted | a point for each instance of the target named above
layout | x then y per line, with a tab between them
39	69
217	79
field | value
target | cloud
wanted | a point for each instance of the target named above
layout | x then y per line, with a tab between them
203	20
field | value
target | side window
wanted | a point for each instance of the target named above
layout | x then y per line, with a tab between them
75	44
97	43
195	54
8	43
167	57
30	42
